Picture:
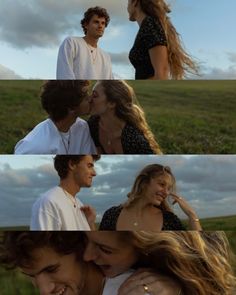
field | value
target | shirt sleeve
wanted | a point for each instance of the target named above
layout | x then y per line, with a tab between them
65	60
109	218
44	218
153	34
88	144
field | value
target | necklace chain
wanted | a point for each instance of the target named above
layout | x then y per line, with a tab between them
91	51
71	198
67	143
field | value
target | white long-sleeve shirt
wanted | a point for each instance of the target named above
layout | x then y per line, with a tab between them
76	61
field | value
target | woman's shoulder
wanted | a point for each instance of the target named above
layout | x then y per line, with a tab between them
134	141
153	32
110	218
171	221
93	120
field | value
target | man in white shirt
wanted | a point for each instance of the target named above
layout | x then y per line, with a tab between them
80	57
58	208
63	132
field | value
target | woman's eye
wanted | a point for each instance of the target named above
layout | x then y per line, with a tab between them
105	250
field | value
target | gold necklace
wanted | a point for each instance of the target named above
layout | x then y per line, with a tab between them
113	136
92	51
71	198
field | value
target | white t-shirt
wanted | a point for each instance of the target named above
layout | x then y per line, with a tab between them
112	285
75	61
55	210
45	138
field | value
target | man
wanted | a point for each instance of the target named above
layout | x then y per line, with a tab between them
58	208
80	57
53	261
63	132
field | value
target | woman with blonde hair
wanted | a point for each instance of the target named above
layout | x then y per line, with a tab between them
118	124
147	207
157	52
198	263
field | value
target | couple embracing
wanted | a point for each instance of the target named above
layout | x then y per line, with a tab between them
117	124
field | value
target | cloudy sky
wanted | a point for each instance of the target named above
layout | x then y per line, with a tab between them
207	182
31	32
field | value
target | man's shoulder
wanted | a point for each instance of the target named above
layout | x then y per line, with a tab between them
49	196
73	40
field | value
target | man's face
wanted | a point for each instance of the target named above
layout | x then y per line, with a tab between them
85	105
112	255
96	27
54	273
83	172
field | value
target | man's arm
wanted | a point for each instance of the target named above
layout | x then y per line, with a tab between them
65	61
42	219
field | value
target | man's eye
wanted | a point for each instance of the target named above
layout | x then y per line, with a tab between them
52	269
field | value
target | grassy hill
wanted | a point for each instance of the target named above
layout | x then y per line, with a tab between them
187	117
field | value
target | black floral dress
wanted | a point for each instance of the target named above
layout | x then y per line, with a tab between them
149	35
110	217
132	139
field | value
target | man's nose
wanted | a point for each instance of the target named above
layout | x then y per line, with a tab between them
44	284
90	253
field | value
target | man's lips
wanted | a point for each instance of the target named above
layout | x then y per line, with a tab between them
61	291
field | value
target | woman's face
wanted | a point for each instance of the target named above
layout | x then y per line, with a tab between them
54	273
98	102
108	251
131	10
158	189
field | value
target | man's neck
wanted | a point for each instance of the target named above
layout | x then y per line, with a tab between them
91	41
95	276
70	186
65	124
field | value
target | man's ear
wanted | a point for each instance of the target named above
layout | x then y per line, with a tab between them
71	165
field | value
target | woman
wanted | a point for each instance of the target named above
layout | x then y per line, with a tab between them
157	52
118	124
54	262
147	208
200	263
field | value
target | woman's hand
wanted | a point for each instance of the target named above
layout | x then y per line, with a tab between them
194	222
90	215
145	281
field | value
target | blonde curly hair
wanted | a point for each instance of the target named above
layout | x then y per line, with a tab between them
179	60
200	261
142	181
127	108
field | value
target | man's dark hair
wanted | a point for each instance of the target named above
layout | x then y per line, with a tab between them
99	11
61	163
58	97
16	247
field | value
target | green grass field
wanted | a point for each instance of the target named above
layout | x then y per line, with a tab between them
187	117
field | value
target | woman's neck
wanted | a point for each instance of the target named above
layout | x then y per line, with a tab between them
111	123
140	17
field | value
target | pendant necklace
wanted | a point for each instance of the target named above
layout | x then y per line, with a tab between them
71	198
93	52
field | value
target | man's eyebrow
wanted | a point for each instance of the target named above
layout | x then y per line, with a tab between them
45	269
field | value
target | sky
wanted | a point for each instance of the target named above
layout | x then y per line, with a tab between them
31	32
206	182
